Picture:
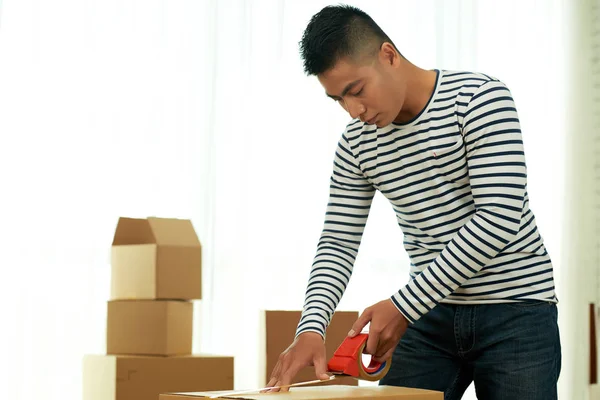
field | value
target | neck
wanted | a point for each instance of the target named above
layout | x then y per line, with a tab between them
420	84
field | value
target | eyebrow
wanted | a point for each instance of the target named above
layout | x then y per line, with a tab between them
346	89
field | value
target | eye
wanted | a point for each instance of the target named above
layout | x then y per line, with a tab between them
359	92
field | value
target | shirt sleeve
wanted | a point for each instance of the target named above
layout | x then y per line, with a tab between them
350	199
498	177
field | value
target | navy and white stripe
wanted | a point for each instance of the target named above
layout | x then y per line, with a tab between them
457	179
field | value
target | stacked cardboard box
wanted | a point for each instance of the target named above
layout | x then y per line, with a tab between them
156	272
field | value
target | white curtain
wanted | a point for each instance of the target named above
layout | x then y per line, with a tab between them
200	109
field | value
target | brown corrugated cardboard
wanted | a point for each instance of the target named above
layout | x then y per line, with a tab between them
110	377
279	331
149	327
156	258
323	393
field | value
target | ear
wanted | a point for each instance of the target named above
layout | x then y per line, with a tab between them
388	55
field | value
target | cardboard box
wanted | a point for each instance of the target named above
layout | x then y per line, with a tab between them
323	393
156	258
149	327
279	329
110	377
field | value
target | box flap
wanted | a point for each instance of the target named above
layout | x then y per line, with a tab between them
133	231
153	230
173	232
339	392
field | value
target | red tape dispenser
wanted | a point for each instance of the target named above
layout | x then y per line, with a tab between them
347	360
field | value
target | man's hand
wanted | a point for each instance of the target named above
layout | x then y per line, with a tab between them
387	325
307	349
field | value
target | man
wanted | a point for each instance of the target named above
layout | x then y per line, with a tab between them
445	148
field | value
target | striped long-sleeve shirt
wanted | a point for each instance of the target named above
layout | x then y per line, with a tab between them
456	178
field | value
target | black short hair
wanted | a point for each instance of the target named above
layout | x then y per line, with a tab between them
336	32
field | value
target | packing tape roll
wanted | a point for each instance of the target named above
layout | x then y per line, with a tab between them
348	360
375	370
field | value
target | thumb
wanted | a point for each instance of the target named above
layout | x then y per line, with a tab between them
320	366
360	323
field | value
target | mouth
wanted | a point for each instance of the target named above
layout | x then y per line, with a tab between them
372	120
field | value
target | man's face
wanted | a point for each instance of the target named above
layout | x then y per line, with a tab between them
367	90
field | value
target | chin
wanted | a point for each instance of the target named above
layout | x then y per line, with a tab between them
382	123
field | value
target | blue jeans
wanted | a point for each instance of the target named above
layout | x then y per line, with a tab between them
510	351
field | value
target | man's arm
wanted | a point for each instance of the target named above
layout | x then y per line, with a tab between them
498	175
350	198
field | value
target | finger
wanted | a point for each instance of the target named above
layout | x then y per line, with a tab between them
288	374
385	357
383	351
372	343
385	343
275	374
274	387
285	380
271	383
320	366
360	323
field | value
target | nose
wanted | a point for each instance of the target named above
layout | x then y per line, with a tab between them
355	109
